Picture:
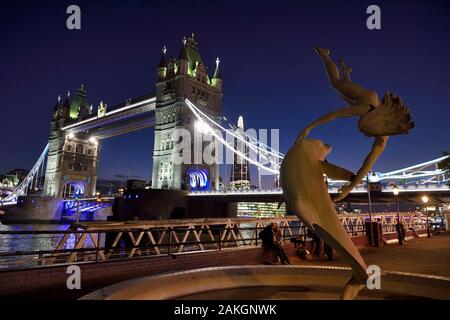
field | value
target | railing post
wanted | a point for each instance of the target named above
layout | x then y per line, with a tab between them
78	211
98	246
256	234
220	239
170	241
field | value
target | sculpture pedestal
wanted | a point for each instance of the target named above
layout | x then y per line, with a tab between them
269	282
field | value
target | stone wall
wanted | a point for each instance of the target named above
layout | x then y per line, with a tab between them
50	282
34	209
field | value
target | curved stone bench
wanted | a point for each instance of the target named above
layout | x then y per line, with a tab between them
327	279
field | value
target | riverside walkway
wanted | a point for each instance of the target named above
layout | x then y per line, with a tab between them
418	255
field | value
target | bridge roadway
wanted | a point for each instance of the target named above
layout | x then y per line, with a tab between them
132	115
410	194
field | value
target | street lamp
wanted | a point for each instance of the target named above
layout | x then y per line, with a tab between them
425	200
396	191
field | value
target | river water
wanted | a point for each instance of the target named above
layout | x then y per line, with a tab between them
11	243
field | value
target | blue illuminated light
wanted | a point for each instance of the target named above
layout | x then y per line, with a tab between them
198	179
78	188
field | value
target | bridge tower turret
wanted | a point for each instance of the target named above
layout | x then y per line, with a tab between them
163	63
216	80
185	77
72	158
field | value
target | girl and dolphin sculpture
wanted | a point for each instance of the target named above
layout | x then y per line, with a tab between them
303	167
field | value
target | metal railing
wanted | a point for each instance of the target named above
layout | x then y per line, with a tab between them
96	242
81	243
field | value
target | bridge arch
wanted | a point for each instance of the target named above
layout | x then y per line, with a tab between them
73	189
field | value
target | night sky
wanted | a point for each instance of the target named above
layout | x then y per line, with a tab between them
271	75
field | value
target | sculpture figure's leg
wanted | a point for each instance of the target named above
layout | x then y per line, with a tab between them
350	92
346	70
331	67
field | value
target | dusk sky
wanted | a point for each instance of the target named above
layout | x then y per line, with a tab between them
271	74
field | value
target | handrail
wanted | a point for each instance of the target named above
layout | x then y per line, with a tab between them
90	243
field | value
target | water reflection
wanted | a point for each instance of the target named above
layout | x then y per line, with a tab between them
10	243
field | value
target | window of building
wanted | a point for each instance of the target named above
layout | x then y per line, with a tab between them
79	148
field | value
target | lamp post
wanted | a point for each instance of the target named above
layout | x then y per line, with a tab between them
396	191
372	242
78	210
425	200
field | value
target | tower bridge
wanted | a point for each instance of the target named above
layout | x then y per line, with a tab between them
186	96
76	131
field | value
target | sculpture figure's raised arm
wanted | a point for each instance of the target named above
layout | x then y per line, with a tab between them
341	113
337	173
377	149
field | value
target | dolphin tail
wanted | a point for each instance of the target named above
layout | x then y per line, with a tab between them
359	276
347	249
325	223
351	289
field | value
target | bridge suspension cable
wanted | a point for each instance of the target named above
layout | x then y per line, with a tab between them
31	181
197	112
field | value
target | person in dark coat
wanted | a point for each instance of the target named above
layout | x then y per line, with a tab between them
267	236
316	249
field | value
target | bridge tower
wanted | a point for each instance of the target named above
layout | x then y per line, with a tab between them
72	158
177	79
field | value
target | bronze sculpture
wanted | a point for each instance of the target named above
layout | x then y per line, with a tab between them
303	168
378	119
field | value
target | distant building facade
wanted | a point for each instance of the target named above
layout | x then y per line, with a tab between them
240	175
